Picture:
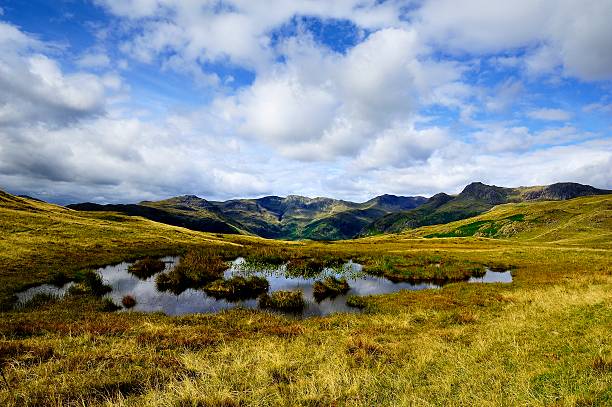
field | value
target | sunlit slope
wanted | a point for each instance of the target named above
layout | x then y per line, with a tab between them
586	220
36	237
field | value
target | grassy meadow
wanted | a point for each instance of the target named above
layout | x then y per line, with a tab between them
542	340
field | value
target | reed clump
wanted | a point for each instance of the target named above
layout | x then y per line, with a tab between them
237	288
147	267
330	287
292	301
128	301
196	269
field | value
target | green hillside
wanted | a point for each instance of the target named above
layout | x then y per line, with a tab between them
475	199
38	238
293	217
575	221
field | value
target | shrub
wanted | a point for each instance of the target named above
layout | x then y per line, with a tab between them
330	287
283	301
356	301
128	301
147	267
237	288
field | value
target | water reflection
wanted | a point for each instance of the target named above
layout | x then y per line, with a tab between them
149	299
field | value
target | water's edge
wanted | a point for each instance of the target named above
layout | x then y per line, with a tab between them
150	299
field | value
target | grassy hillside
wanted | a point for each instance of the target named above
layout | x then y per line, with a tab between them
475	199
576	221
39	238
541	340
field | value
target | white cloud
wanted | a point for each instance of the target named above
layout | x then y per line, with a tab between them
598	107
403	146
319	104
238	30
35	89
314	121
94	60
504	95
550	114
559	31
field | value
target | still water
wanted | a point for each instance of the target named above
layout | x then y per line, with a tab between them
150	299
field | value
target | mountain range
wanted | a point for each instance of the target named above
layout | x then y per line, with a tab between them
297	217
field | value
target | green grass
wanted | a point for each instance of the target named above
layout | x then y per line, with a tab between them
238	288
145	268
292	301
486	228
542	340
330	287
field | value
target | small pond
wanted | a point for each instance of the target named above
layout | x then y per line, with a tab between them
150	299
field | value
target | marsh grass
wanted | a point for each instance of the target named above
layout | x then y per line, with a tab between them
146	267
128	301
89	282
423	269
59	278
291	301
196	268
237	288
330	287
107	305
356	301
38	300
542	340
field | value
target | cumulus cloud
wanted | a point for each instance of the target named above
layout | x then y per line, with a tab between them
410	108
94	60
320	104
550	114
34	87
56	130
238	30
560	32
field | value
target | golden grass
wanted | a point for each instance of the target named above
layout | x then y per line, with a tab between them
542	340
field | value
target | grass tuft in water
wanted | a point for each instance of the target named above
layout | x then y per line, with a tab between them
128	301
146	267
283	301
330	287
237	288
196	269
89	282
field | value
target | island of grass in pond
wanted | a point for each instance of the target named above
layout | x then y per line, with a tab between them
218	285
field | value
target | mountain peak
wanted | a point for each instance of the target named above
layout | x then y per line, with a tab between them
564	190
491	194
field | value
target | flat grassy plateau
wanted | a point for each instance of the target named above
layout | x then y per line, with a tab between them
544	339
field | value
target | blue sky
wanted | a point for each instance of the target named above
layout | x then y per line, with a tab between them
125	100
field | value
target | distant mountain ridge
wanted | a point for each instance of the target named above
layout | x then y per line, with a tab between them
298	217
291	217
475	199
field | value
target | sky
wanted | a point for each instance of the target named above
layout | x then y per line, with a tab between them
128	100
